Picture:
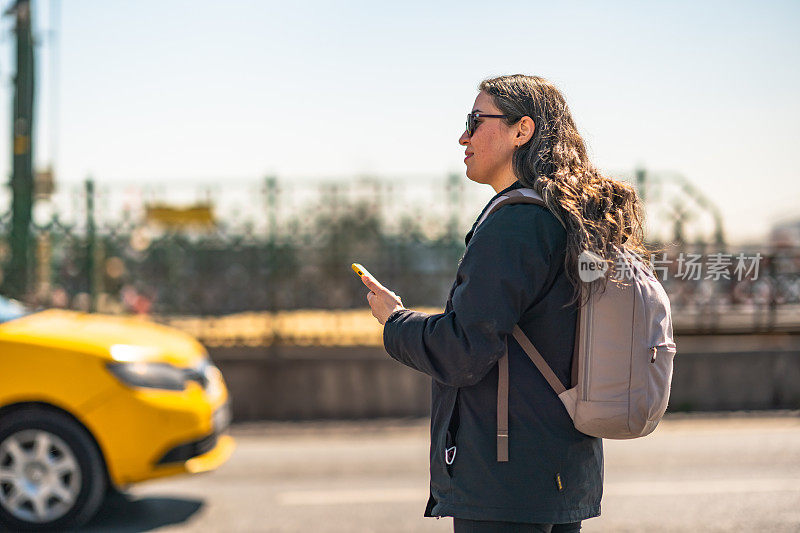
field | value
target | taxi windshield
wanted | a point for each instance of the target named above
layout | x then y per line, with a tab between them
11	309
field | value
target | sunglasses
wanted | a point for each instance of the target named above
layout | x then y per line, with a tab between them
472	121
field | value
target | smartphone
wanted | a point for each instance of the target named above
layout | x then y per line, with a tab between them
360	270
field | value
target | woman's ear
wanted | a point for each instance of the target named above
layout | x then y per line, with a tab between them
525	130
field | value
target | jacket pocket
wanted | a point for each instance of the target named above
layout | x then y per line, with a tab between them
450	451
442	409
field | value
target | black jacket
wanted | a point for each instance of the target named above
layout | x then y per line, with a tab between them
512	272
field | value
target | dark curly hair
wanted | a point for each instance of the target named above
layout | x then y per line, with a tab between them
600	214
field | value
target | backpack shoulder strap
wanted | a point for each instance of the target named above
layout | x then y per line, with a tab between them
503	386
514	196
538	360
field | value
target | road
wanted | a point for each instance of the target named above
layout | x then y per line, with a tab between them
695	473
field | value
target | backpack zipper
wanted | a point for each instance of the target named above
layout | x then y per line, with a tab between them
587	346
670	347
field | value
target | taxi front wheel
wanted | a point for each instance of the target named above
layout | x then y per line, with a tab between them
51	473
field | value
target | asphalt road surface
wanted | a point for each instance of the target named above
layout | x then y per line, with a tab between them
727	473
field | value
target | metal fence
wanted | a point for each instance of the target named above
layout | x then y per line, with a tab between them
272	246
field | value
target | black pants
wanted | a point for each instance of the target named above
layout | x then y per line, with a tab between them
461	525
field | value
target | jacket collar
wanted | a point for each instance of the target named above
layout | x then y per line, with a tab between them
515	185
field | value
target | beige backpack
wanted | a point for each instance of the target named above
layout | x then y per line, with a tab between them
622	364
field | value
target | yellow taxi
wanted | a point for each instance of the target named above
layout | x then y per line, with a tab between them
92	403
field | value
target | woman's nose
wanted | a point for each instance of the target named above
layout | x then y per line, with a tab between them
464	139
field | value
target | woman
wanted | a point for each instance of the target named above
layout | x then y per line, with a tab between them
520	267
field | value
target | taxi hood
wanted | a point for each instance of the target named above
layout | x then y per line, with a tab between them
111	337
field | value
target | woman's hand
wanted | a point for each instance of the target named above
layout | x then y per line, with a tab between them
382	301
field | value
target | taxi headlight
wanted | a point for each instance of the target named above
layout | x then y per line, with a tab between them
149	375
213	380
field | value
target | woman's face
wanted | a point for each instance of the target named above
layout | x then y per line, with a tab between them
490	149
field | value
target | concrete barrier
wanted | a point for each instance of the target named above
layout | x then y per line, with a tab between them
293	383
297	383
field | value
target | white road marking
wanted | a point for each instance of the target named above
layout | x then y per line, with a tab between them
701	486
638	488
334	497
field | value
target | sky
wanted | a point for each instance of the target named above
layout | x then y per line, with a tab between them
200	91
